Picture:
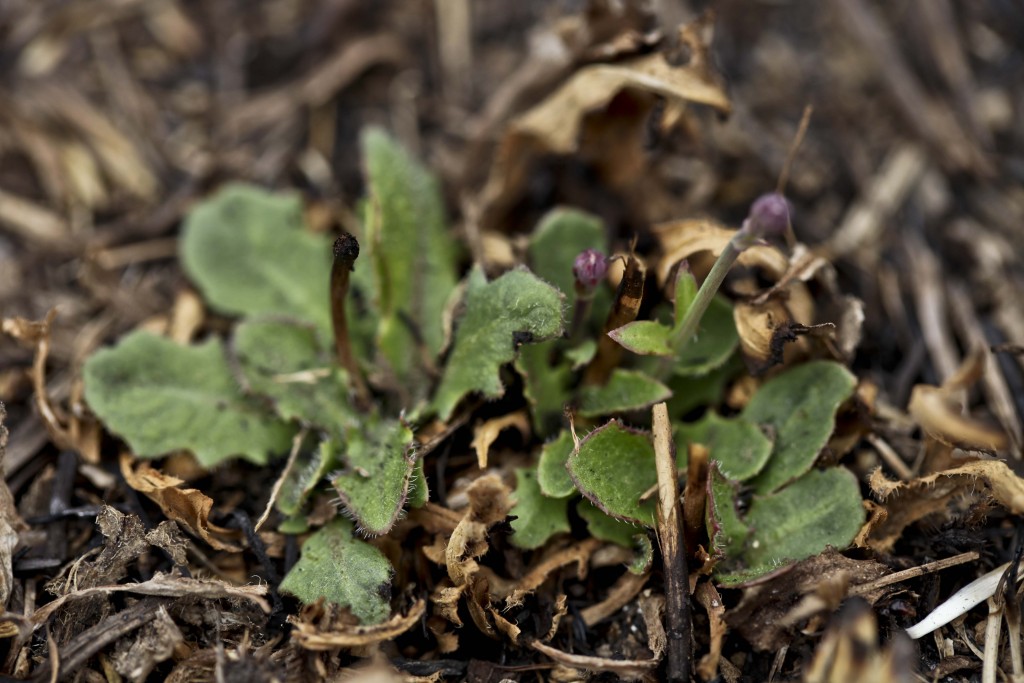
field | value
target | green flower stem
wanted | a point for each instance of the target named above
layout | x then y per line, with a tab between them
686	329
581	311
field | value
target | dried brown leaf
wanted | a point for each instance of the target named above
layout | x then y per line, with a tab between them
154	643
190	507
684	239
624	668
309	636
485	433
10	522
652	607
707	595
489	503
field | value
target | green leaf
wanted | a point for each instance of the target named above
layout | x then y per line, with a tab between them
311	466
374	483
613	468
740	448
800	407
819	509
516	308
689	393
714	343
558	239
419	493
162	397
605	528
553	478
283	361
581	355
247	251
539	517
343	569
686	292
545	387
726	530
644	337
412	251
625	390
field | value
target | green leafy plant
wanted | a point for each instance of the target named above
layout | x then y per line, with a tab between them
359	357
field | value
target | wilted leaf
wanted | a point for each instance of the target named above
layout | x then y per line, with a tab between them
411	249
799	406
644	337
819	509
284	362
552	477
715	341
374	482
343	569
516	308
247	251
189	507
162	397
626	390
739	447
485	433
539	517
559	237
613	468
941	417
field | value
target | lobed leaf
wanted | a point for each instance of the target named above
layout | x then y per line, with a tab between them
162	397
613	468
538	516
799	406
374	483
343	569
248	253
516	308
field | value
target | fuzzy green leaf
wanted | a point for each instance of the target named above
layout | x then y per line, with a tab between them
539	517
686	292
556	242
644	337
247	251
800	407
374	483
311	466
412	251
605	528
581	355
552	477
714	343
613	468
726	530
343	569
819	509
625	390
516	308
284	362
689	393
162	397
419	492
740	448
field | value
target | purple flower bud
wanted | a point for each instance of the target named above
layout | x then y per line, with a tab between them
589	268
769	216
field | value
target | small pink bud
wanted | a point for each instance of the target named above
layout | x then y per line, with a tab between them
769	216
589	268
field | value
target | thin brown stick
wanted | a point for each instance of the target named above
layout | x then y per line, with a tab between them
346	251
915	572
801	131
624	310
673	550
288	467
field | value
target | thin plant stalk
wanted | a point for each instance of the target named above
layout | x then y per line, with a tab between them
346	251
686	329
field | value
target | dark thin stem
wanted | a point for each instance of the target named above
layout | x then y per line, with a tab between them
673	550
346	251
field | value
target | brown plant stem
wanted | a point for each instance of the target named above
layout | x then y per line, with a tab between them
673	550
346	251
625	309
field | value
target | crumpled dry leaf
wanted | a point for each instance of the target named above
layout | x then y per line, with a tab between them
768	599
938	410
10	522
310	637
568	119
485	433
652	607
577	553
910	501
36	334
135	658
683	239
190	507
